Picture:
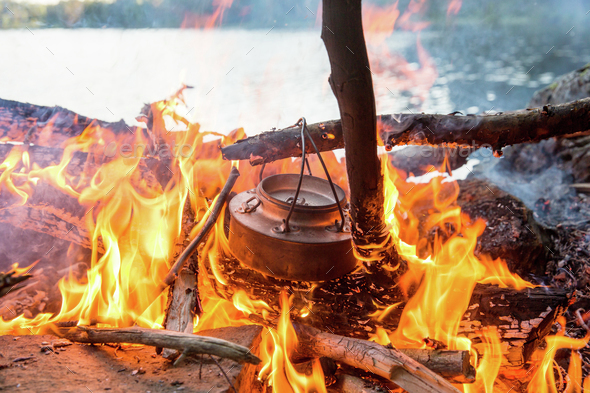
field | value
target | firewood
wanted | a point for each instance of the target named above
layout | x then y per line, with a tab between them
494	130
183	299
183	294
47	126
352	85
50	210
453	365
523	318
188	344
10	280
391	364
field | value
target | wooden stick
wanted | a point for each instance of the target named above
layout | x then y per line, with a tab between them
221	198
352	85
375	358
183	294
495	131
188	344
453	365
183	299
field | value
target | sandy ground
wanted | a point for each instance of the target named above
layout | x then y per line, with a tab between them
25	367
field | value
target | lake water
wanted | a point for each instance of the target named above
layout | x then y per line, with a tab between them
260	79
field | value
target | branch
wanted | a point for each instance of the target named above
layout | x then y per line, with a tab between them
192	247
187	343
352	85
495	131
391	364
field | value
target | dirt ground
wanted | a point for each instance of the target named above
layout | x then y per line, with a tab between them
25	366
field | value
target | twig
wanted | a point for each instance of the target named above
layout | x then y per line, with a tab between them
192	247
186	343
224	374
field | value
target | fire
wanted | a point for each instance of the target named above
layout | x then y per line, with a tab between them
278	370
445	272
543	380
136	225
454	7
206	21
391	69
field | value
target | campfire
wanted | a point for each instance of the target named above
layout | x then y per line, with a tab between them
266	263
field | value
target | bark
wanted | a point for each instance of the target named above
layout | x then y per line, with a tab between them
391	364
495	131
188	344
352	85
183	294
453	365
46	126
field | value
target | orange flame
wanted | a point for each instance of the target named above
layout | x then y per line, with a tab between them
392	69
137	225
445	272
277	347
206	21
454	7
543	380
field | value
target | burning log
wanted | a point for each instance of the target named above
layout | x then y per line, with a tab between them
188	344
52	211
352	85
453	365
495	131
183	299
391	364
183	294
46	126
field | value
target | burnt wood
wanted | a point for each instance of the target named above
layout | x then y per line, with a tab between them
47	126
343	305
49	209
183	294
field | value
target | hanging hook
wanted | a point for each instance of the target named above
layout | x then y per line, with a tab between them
304	130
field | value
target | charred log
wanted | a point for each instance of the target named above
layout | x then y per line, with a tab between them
51	210
511	232
495	131
46	126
